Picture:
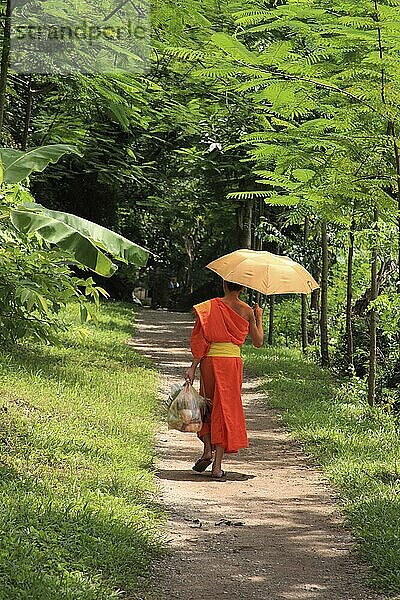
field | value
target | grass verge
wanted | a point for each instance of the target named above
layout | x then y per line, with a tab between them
78	518
357	446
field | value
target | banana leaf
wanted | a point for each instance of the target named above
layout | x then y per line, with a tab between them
118	246
82	249
86	241
17	165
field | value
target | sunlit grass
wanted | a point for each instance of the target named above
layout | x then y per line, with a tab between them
358	448
78	517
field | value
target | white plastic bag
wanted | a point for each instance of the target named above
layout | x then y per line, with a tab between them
186	409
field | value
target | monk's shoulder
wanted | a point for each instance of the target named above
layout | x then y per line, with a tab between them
204	304
203	307
246	311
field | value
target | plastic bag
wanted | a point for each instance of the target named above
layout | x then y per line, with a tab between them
186	409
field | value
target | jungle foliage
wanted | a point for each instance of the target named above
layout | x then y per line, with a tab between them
323	83
271	125
266	124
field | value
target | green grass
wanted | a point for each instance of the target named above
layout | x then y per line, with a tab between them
358	448
78	516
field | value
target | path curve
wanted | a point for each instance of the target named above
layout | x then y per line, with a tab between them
272	531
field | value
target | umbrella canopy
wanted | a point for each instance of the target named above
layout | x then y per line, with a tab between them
264	272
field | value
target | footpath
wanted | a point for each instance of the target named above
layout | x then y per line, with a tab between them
272	531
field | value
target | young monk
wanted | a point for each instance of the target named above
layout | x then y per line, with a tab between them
222	325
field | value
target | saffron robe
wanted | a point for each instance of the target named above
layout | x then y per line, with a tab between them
221	376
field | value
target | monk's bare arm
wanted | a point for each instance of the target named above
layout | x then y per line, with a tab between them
191	372
256	326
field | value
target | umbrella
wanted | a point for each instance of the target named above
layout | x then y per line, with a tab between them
264	272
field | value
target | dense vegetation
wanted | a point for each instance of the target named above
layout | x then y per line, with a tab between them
270	125
266	124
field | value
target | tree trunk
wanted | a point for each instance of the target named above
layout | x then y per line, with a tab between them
324	296
304	306
245	222
257	246
349	299
397	162
373	315
188	242
271	320
304	322
5	61
314	307
391	130
28	113
255	238
315	298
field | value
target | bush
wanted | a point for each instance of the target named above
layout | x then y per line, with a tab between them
35	283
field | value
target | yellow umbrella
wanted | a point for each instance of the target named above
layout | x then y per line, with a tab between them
265	272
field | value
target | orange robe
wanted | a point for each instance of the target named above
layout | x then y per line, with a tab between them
221	377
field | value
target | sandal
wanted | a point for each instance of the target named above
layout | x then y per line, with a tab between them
221	477
201	465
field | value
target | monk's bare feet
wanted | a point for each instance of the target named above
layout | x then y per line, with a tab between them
218	474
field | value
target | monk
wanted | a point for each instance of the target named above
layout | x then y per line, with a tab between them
222	325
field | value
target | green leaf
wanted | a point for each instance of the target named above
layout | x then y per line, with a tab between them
283	200
121	114
55	232
235	49
18	165
249	195
26	295
198	19
118	246
84	313
303	175
43	304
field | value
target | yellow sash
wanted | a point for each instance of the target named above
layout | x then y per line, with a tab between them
224	349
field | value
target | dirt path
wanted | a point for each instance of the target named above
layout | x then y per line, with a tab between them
272	530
